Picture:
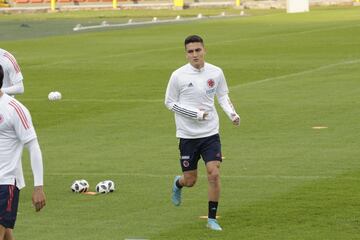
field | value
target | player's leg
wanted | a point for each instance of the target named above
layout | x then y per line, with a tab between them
188	161
9	234
8	210
211	153
213	175
214	186
188	179
2	232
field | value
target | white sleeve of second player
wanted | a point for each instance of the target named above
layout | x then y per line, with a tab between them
36	161
172	102
12	68
17	88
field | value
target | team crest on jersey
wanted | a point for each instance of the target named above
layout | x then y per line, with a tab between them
1	119
210	83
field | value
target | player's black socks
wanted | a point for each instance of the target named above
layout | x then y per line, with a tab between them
212	209
178	184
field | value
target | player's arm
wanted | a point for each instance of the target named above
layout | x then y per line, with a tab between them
38	196
14	74
172	102
15	89
224	100
229	109
26	134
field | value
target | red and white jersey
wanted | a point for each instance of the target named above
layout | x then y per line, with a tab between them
16	129
12	72
190	92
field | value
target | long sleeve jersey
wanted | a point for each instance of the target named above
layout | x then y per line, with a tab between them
13	78
17	130
190	93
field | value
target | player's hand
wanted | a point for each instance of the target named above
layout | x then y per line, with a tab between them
38	198
235	119
205	115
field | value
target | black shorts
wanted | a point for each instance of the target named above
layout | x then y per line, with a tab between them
9	201
209	148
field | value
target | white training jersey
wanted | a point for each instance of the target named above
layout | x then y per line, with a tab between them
16	129
190	92
12	73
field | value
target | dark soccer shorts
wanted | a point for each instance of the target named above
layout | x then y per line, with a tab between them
9	201
209	148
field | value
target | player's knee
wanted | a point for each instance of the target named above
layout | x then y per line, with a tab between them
214	175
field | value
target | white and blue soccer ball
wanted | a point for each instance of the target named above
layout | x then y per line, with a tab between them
105	186
80	186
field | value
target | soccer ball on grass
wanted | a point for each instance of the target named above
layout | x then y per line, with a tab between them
105	186
80	186
54	96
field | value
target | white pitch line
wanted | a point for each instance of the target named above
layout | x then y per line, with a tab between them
106	100
155	21
287	177
112	100
111	174
297	73
136	239
107	56
321	29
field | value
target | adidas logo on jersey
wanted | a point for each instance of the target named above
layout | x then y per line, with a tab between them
190	85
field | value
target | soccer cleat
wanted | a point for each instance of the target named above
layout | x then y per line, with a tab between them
213	225
176	193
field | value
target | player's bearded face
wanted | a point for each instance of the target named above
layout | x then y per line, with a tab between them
195	54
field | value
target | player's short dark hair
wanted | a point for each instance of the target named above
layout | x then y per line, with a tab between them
193	39
1	76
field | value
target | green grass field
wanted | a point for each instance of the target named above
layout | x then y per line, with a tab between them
281	179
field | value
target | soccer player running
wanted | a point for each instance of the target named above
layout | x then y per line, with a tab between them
13	78
190	94
16	131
